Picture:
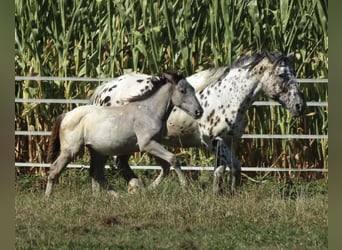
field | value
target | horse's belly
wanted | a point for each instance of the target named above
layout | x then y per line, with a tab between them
111	137
113	146
182	130
226	129
182	140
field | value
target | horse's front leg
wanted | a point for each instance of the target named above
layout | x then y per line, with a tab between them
134	184
163	173
156	149
224	158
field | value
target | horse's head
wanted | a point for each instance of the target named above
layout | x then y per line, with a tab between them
279	82
183	95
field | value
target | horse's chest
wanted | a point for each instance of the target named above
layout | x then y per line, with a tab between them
224	115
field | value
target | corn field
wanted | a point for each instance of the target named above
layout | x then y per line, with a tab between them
87	38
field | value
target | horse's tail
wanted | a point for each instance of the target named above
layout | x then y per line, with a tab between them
54	142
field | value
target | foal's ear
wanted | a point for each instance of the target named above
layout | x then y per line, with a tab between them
291	56
172	76
158	80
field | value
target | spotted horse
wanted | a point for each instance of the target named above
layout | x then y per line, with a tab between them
225	93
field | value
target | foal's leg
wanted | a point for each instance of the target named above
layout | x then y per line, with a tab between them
156	149
225	157
55	170
134	184
96	171
163	173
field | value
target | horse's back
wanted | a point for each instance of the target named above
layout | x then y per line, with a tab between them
72	127
119	91
74	117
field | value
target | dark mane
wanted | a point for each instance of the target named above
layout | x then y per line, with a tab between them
251	61
156	81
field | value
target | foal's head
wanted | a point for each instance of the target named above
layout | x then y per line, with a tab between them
279	81
183	94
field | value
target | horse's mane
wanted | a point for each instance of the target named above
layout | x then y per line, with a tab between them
251	61
246	60
156	81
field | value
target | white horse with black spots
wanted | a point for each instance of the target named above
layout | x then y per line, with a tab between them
225	94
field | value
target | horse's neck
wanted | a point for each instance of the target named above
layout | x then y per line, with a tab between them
161	102
202	79
242	88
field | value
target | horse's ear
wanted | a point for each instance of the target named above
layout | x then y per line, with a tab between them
173	76
291	56
158	80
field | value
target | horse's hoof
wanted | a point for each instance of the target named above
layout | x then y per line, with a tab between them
184	184
135	185
113	194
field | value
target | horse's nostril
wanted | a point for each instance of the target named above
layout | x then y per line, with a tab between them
300	108
199	112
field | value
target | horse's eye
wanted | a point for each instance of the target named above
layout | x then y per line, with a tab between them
183	91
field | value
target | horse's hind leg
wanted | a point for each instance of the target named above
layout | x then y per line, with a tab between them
134	184
96	171
55	170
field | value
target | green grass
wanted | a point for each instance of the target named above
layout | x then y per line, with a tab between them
260	216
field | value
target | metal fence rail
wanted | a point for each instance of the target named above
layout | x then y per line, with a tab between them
196	168
244	136
200	168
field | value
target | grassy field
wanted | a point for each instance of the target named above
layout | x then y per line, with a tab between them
270	215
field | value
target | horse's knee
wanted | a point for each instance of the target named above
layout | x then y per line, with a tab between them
174	161
53	173
219	171
217	181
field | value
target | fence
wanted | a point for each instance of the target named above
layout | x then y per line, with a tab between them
249	136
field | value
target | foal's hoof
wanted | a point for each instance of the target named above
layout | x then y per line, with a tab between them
184	183
113	194
135	185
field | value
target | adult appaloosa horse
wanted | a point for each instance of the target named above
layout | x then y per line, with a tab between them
225	94
138	126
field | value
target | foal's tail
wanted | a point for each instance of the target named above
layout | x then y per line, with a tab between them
54	142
